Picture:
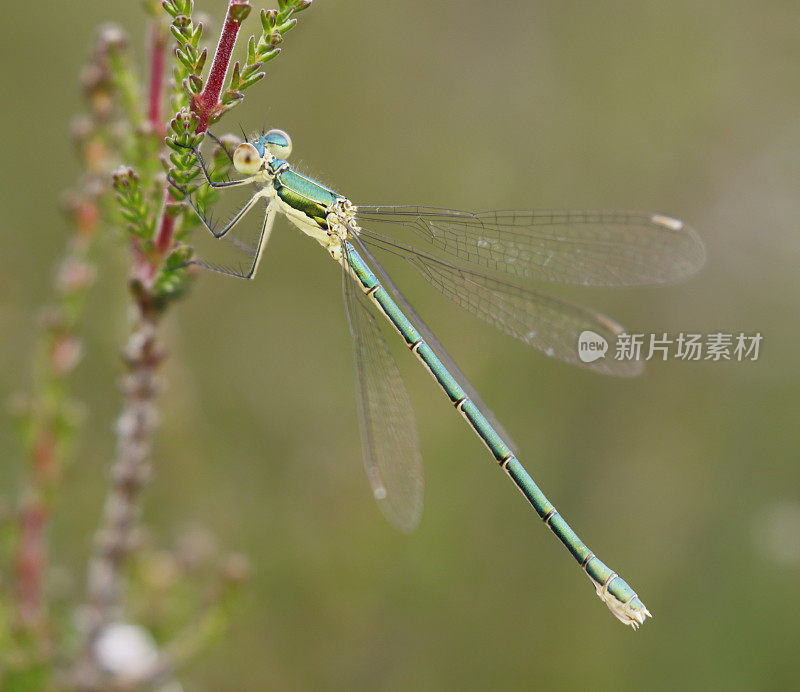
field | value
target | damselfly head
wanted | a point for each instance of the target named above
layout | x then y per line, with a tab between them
246	159
278	143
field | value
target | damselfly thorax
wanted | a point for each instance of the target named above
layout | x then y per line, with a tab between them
314	209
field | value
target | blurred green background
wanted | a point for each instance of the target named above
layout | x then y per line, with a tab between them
685	479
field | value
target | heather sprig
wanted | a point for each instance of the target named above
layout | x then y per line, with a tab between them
275	24
190	58
126	143
134	206
204	101
157	232
48	416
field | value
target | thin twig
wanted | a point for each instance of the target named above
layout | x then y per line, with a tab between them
31	558
117	536
156	261
49	417
208	101
166	225
155	92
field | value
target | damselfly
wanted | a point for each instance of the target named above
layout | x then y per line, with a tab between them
481	261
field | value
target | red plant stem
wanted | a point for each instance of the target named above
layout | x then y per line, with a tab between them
207	102
31	557
158	49
30	564
204	105
166	227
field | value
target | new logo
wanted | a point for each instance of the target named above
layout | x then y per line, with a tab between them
591	346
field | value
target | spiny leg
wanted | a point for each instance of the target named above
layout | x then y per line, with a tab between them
266	230
204	168
232	223
219	143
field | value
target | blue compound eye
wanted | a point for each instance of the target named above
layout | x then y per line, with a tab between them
246	159
278	143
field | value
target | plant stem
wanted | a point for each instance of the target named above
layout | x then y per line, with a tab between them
49	419
31	558
117	535
157	50
207	102
166	226
204	105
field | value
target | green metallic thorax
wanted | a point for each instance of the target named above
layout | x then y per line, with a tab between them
303	194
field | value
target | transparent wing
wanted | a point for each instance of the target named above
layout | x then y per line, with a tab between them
590	248
548	324
388	432
433	342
